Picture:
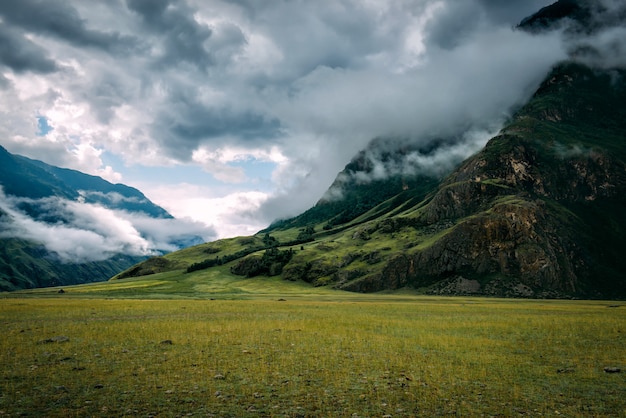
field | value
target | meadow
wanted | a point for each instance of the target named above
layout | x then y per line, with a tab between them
310	355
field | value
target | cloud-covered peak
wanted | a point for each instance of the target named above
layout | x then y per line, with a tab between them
132	85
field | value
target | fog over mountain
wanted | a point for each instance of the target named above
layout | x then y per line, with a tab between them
201	104
78	218
81	232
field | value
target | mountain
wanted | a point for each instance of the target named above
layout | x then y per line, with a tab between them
23	177
26	264
547	17
380	172
537	213
577	17
41	202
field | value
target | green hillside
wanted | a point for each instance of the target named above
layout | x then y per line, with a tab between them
25	265
537	213
357	189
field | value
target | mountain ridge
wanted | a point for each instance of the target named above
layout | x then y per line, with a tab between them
24	177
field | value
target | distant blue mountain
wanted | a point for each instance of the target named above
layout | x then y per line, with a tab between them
39	199
23	177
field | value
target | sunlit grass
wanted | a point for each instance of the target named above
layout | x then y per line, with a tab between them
388	355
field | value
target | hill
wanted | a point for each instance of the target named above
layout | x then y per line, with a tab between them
376	174
23	177
537	213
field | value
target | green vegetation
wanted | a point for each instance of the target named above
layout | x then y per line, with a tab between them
23	265
332	354
359	198
214	283
537	213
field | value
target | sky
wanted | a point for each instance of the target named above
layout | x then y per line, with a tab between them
232	114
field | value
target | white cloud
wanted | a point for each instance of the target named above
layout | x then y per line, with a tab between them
228	213
82	232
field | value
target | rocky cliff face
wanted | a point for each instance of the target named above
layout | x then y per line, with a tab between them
533	212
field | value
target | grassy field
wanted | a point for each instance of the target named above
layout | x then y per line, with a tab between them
309	356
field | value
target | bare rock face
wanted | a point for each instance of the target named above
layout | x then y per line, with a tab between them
536	213
512	239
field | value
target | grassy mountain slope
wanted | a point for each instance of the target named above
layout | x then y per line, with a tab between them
541	207
26	265
537	213
359	188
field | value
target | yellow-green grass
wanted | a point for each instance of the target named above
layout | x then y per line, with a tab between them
215	283
368	356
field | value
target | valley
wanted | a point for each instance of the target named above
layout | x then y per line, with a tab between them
468	260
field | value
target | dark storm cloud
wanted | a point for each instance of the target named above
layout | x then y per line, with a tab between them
20	54
454	25
189	121
336	34
183	37
204	123
59	19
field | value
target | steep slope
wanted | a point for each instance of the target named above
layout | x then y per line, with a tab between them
540	210
375	175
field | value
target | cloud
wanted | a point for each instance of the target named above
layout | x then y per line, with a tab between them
81	232
60	19
600	40
231	213
191	120
605	49
110	199
436	160
182	36
474	86
20	55
168	83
